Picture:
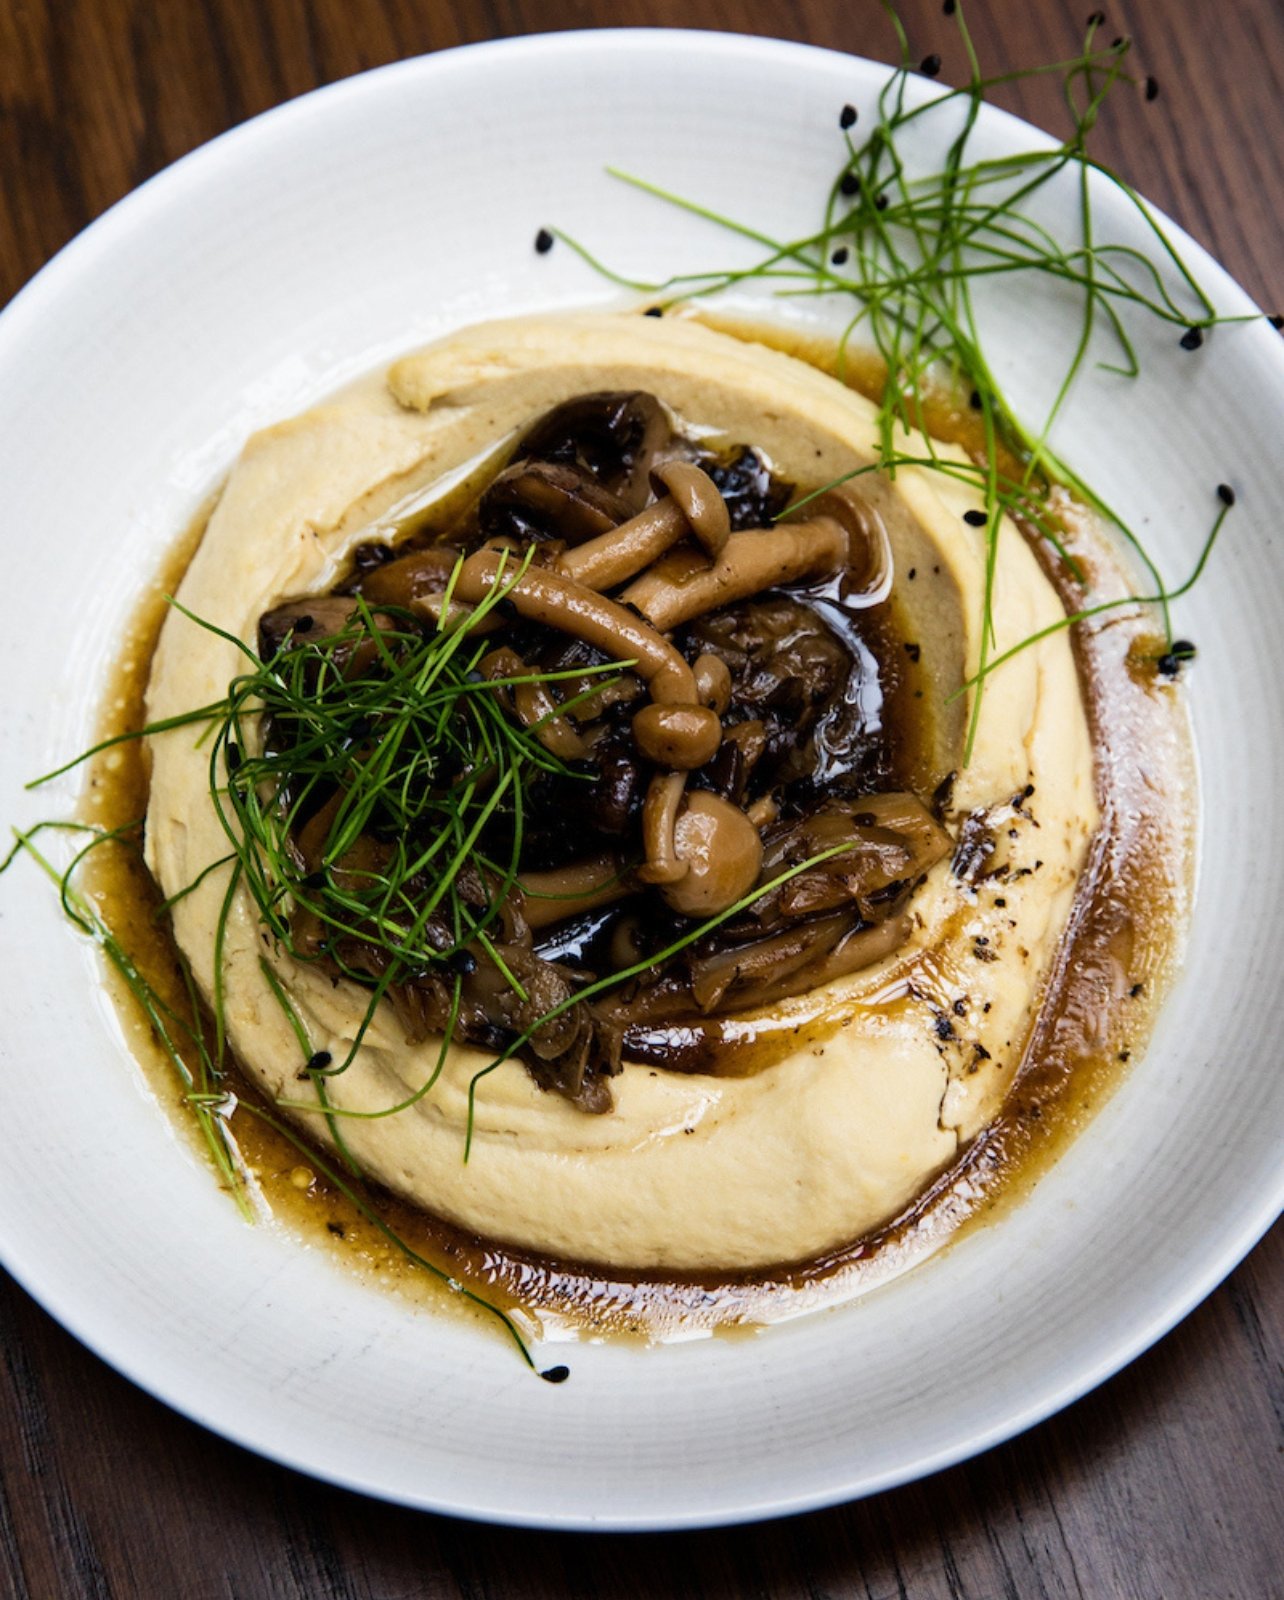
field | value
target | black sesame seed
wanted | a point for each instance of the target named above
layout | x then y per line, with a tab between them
1192	339
653	311
849	184
555	1374
543	242
319	1061
950	7
839	255
1276	320
847	117
1152	88
1226	494
975	519
929	66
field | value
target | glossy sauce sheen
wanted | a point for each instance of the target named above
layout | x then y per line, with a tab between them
1110	976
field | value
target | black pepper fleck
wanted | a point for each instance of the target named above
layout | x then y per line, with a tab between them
543	242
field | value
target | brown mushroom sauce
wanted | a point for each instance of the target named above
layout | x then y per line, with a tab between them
748	740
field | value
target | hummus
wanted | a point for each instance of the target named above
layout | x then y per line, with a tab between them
896	1068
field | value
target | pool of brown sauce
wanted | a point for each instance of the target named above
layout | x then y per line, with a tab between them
1112	970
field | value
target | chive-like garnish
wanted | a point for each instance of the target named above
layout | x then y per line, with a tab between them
917	248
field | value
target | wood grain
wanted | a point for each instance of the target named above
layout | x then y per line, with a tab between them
1167	1482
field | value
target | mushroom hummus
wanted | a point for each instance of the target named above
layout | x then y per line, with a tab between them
891	1041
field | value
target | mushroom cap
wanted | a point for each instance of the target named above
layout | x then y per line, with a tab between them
722	853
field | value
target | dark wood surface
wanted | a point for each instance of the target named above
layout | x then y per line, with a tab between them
1164	1484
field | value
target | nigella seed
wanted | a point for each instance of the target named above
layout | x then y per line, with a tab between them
653	311
847	117
849	184
543	242
1226	494
839	255
1192	339
319	1061
555	1374
950	7
975	519
1152	88
929	66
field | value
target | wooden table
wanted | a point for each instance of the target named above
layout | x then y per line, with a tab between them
1164	1484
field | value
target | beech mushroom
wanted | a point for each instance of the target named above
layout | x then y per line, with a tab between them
713	682
548	897
684	737
560	602
614	557
683	585
721	852
701	504
659	822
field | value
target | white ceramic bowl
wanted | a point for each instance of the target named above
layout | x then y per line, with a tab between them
243	284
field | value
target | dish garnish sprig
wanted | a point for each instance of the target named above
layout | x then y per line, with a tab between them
909	249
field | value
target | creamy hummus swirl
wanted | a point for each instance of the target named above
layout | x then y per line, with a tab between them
896	1068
